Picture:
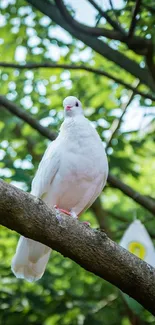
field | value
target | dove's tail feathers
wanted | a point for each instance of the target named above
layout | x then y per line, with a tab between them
30	259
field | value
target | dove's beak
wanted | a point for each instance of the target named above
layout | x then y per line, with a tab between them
68	108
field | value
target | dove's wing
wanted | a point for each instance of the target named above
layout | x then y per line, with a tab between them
31	257
47	170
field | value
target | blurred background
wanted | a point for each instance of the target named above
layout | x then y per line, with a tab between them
114	78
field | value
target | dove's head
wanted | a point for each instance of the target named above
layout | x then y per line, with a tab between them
72	106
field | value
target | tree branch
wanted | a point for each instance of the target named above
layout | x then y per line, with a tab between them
144	201
91	249
134	20
93	31
115	13
113	23
49	65
117	122
99	46
137	44
147	203
13	108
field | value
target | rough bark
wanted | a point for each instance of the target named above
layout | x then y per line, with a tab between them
91	249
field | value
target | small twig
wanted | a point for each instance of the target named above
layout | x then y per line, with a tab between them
117	122
114	24
114	12
104	303
98	18
134	19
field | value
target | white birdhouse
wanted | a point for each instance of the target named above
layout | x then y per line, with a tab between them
138	242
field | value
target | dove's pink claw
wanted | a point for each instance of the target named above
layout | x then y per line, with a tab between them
70	213
62	210
86	223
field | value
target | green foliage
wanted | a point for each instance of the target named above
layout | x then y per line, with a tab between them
68	294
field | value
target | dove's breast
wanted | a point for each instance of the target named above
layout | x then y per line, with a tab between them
82	172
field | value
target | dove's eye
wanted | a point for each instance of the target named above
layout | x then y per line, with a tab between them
77	104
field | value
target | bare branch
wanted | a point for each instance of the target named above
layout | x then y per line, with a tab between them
144	201
13	108
93	31
114	12
49	65
114	24
91	249
134	19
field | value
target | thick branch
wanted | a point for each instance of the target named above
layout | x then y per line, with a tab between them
91	249
137	44
99	46
49	65
113	181
93	31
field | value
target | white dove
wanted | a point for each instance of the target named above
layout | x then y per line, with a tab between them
71	175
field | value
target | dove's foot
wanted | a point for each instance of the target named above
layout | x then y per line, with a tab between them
61	210
86	223
73	214
58	215
69	213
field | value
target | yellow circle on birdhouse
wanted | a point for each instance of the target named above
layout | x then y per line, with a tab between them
137	249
